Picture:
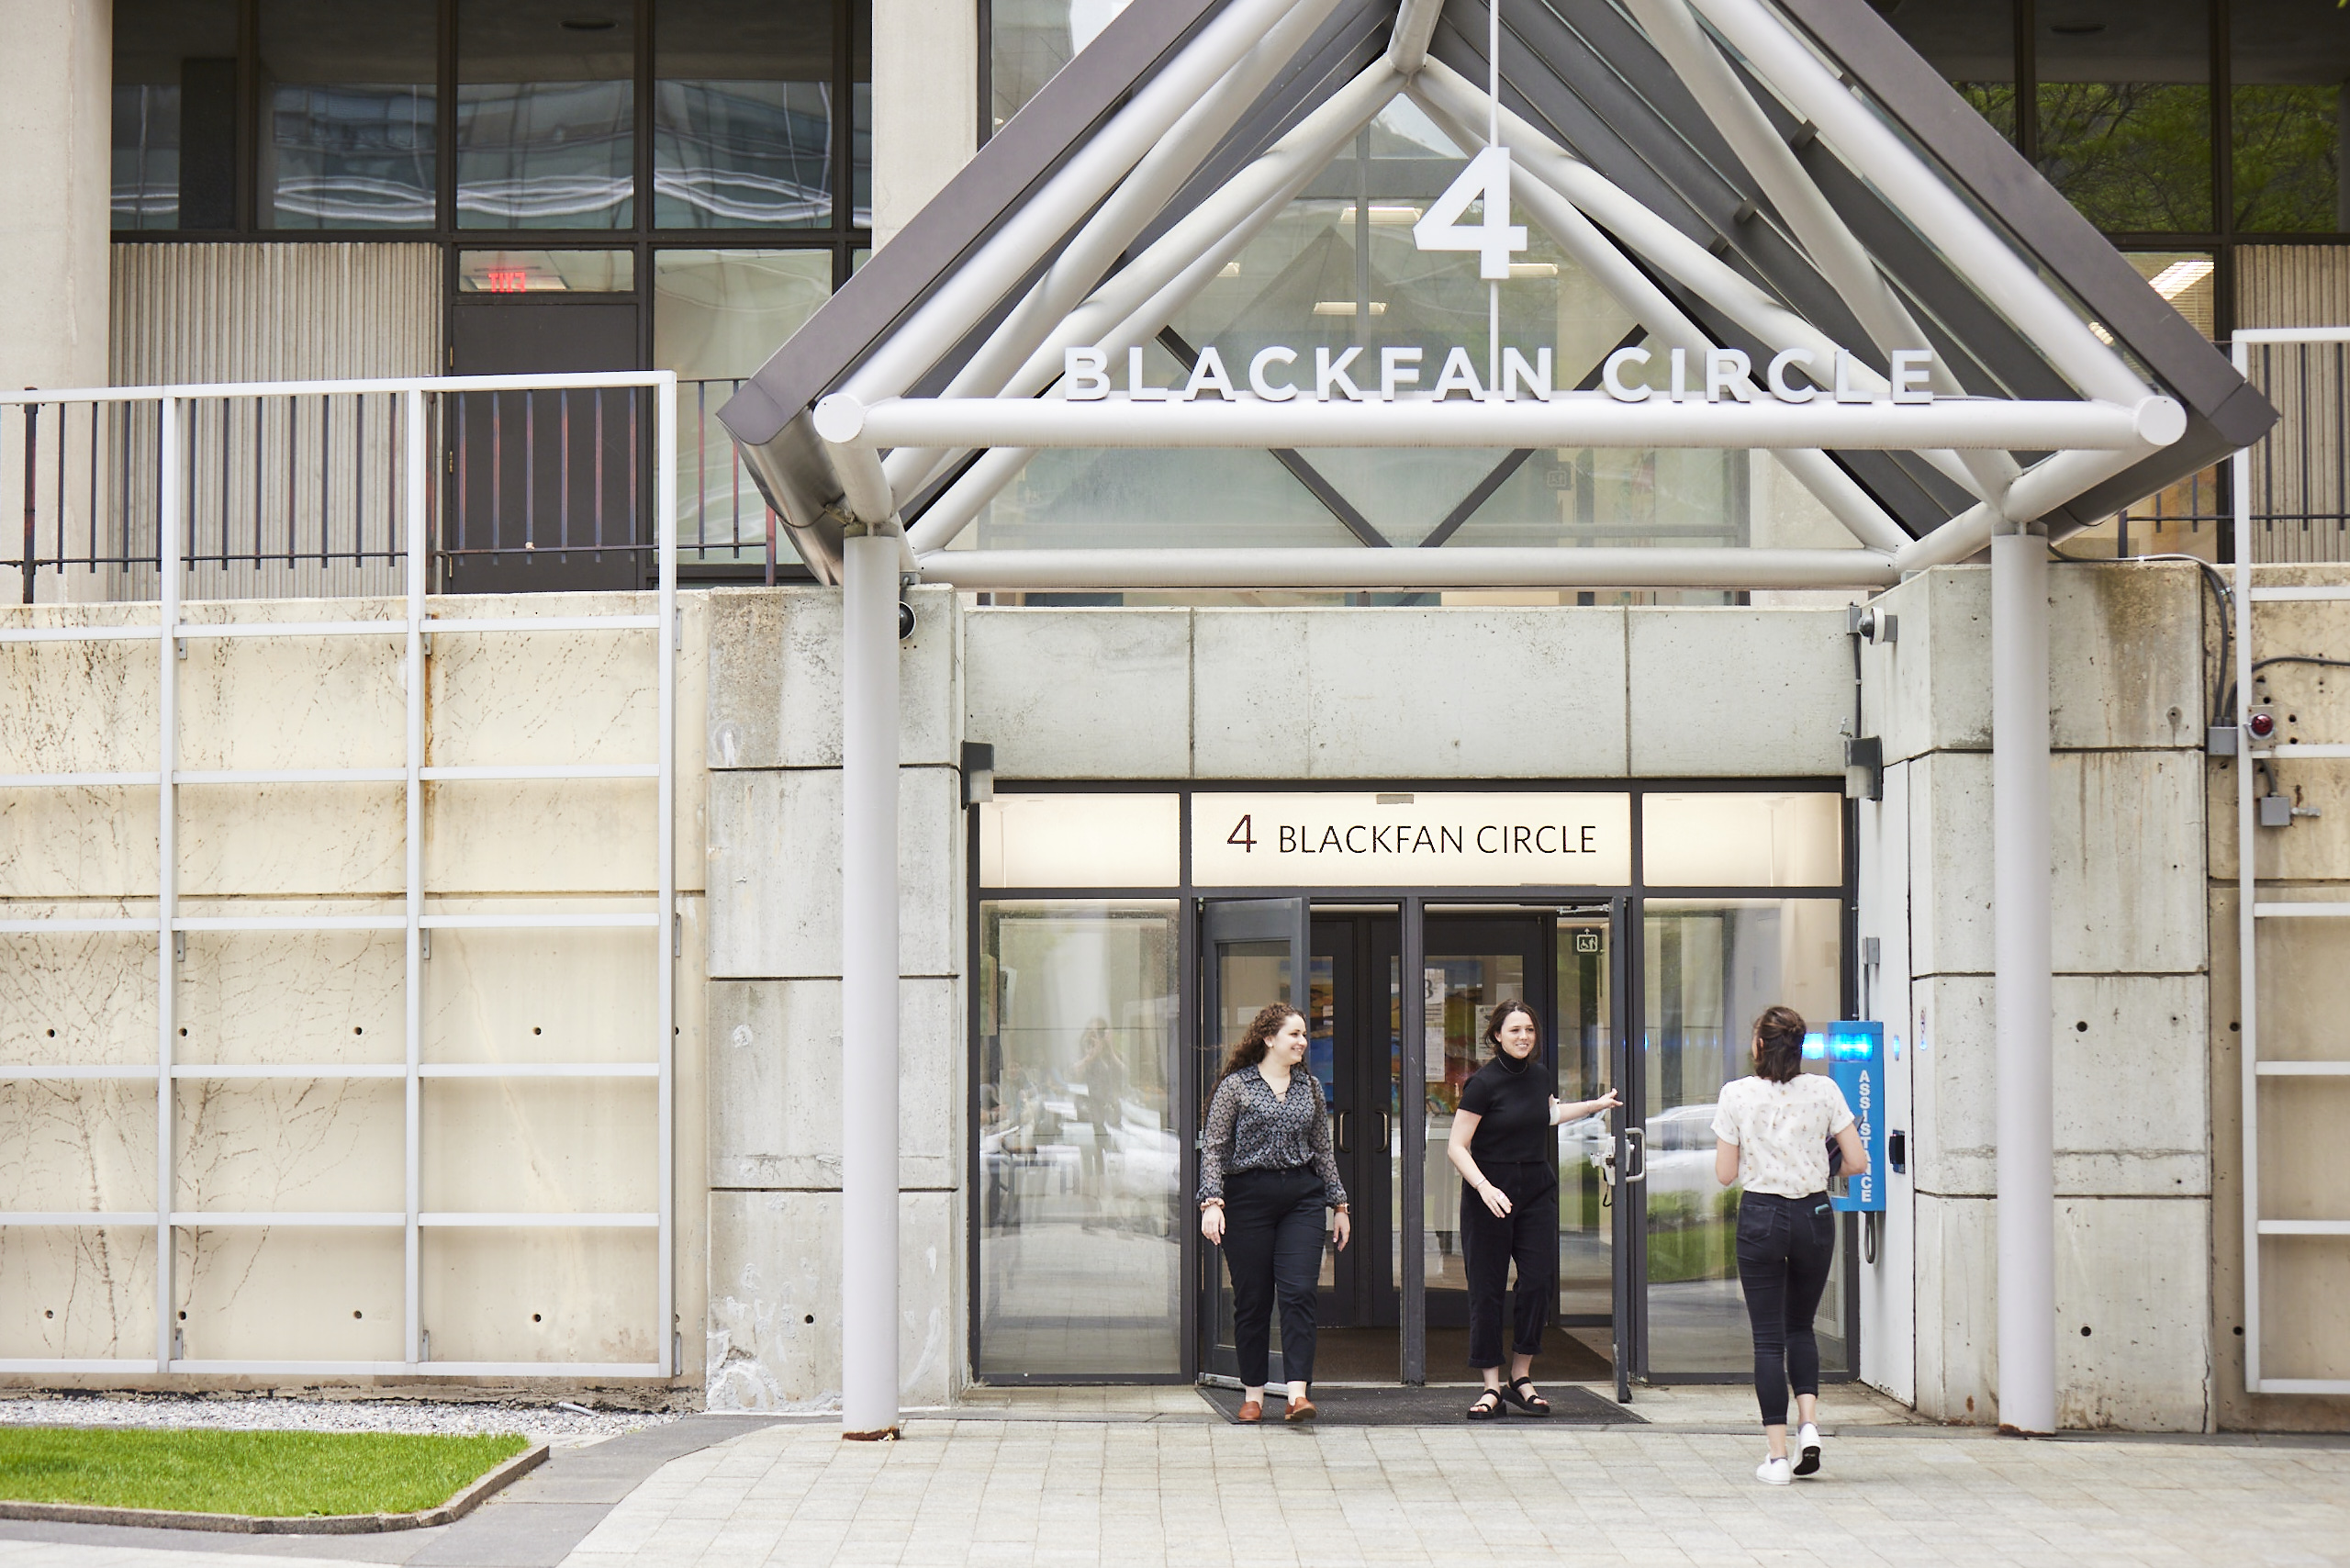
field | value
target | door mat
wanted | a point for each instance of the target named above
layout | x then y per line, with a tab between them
1401	1406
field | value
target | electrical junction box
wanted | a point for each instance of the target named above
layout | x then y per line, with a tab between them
1855	1051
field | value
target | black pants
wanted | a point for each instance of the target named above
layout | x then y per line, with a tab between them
1528	1235
1786	1246
1272	1245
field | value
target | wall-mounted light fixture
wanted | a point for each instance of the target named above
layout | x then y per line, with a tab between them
1864	768
979	772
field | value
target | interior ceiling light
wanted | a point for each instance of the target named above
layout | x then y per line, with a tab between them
1534	269
1346	308
1383	216
2179	276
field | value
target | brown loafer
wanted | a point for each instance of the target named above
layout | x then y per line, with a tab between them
1300	1410
1251	1412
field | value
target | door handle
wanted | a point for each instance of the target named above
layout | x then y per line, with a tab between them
1636	1155
1343	1130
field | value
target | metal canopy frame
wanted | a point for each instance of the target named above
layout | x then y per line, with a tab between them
1732	171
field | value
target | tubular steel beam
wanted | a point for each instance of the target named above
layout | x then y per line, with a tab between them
1573	418
1347	567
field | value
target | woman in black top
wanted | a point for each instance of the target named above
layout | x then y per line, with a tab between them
1509	1200
1266	1174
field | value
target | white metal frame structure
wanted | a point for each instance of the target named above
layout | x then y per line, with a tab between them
2252	910
415	920
1857	208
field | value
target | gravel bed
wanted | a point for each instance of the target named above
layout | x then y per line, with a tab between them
562	1425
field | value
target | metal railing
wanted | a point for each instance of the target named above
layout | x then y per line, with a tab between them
354	533
298	490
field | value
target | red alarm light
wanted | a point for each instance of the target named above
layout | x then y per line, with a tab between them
2261	724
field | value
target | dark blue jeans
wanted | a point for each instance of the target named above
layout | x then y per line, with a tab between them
1786	1246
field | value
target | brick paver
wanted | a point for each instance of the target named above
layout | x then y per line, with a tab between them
1141	1493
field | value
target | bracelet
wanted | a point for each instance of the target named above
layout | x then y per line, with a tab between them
1207	1203
1341	1208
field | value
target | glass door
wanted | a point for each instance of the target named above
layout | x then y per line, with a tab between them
1253	952
1708	967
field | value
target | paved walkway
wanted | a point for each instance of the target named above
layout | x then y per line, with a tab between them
1135	1478
1152	1493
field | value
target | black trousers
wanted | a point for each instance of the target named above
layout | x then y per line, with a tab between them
1527	1236
1274	1231
1786	1246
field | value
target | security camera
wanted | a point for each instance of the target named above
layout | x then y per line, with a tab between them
905	621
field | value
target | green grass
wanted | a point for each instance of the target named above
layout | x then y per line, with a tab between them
275	1473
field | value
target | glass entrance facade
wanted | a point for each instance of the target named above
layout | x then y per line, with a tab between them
1093	1043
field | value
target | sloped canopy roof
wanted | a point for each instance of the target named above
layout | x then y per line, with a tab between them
1741	174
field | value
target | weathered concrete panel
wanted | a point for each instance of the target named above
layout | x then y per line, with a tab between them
540	1146
1723	692
76	1144
2126	830
1249	674
85	998
1080	693
1492	693
2131	1270
776	879
2125	655
542	996
2131	1108
541	1295
776	1084
775	1301
243	1146
294	1295
88	1291
774	693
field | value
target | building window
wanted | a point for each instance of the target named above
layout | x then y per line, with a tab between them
175	114
2290	60
546	114
744	118
2124	109
1079	1202
349	131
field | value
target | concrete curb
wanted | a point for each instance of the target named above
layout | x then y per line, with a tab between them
474	1494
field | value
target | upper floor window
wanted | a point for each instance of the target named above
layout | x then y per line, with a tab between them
538	114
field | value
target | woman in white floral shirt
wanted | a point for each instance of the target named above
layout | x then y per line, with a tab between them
1771	1133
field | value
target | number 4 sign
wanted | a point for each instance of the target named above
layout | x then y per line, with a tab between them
1495	239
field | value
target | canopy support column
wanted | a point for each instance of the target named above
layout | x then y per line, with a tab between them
2025	1076
869	982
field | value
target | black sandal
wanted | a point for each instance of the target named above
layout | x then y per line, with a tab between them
1531	1402
1480	1411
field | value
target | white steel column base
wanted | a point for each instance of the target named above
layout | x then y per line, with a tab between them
2024	1068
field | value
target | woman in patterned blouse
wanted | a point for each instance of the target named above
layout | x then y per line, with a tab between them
1266	1174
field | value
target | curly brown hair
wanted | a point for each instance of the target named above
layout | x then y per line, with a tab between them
1781	1030
1250	1048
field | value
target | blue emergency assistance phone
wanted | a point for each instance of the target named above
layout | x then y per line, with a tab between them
1855	1051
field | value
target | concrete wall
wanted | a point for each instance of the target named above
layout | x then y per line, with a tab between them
327	998
774	752
56	105
926	104
2130	955
1457	693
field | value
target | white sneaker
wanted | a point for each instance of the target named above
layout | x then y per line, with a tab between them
1773	1473
1808	1451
